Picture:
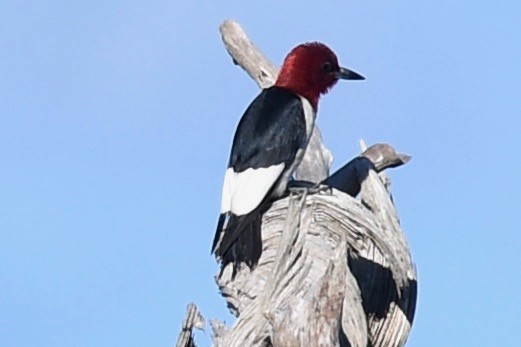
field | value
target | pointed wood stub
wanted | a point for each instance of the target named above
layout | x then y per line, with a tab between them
193	319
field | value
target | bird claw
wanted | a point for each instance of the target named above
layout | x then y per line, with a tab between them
298	190
321	188
318	188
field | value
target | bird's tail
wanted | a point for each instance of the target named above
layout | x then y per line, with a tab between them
218	232
241	240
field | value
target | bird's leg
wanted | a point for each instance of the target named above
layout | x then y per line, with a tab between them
297	187
321	188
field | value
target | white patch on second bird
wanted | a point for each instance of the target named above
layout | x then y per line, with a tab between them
244	191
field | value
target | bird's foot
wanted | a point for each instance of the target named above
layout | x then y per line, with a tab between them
300	187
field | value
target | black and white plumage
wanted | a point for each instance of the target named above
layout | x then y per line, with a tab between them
269	143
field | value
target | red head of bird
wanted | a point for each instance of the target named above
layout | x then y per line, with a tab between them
311	69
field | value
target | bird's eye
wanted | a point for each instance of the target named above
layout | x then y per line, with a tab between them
327	67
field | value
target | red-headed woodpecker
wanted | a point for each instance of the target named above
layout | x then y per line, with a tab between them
269	143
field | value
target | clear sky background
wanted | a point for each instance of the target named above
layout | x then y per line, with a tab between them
116	119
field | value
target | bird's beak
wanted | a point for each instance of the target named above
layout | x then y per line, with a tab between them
347	74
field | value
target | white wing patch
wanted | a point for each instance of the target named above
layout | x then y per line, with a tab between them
226	197
244	191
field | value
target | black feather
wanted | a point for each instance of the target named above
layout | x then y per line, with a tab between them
271	131
241	240
220	224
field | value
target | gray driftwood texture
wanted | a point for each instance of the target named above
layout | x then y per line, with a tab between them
335	270
193	319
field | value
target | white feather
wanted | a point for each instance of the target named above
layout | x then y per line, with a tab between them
226	197
244	191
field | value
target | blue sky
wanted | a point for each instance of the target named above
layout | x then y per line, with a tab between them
115	125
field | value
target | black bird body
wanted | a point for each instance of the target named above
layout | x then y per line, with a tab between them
267	147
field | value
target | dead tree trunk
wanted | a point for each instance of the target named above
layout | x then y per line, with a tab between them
335	270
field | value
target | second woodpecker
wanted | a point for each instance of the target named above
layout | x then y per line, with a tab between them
268	145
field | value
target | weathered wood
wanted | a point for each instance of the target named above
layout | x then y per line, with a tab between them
193	319
338	220
335	270
245	54
317	158
220	332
